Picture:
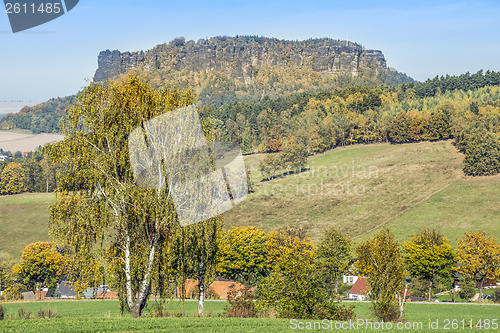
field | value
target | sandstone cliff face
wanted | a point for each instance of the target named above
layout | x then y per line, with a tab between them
241	57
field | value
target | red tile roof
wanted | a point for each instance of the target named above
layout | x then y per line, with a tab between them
222	288
107	295
360	287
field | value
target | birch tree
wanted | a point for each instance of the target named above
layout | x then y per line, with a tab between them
334	256
195	251
116	218
380	260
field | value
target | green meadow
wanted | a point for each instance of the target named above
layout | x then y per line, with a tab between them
104	316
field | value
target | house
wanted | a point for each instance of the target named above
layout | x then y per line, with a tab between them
220	288
223	288
3	157
61	291
29	296
349	279
359	291
101	292
190	288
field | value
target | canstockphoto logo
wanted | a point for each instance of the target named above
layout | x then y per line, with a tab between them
26	14
170	152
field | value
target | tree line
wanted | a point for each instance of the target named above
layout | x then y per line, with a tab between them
361	115
294	278
31	173
41	118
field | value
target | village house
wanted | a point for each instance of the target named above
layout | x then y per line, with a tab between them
359	291
349	279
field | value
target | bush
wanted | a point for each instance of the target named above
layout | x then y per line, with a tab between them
241	304
13	293
496	295
482	155
334	311
343	288
158	310
467	289
46	313
22	313
294	290
3	310
385	309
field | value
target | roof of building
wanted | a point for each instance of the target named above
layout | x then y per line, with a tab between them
222	288
360	287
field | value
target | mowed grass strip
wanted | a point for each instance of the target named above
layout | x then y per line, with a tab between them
109	308
357	188
104	316
23	220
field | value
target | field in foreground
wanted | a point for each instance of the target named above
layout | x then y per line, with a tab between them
103	316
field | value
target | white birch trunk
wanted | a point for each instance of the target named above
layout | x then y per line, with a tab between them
402	302
201	287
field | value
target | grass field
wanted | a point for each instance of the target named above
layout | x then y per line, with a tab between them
103	316
362	188
468	204
25	141
23	220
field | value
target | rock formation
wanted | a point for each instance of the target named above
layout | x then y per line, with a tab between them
241	57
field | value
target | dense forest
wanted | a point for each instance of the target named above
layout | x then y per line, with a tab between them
464	107
432	110
214	89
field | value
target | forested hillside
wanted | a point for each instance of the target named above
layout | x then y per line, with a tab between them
225	70
41	118
466	108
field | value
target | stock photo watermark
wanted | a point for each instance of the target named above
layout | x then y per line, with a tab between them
27	14
170	152
424	326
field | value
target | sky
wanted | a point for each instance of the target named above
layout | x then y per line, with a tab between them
420	38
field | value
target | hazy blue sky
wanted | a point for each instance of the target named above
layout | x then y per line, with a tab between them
420	38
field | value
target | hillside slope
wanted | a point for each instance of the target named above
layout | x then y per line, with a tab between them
360	189
23	220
